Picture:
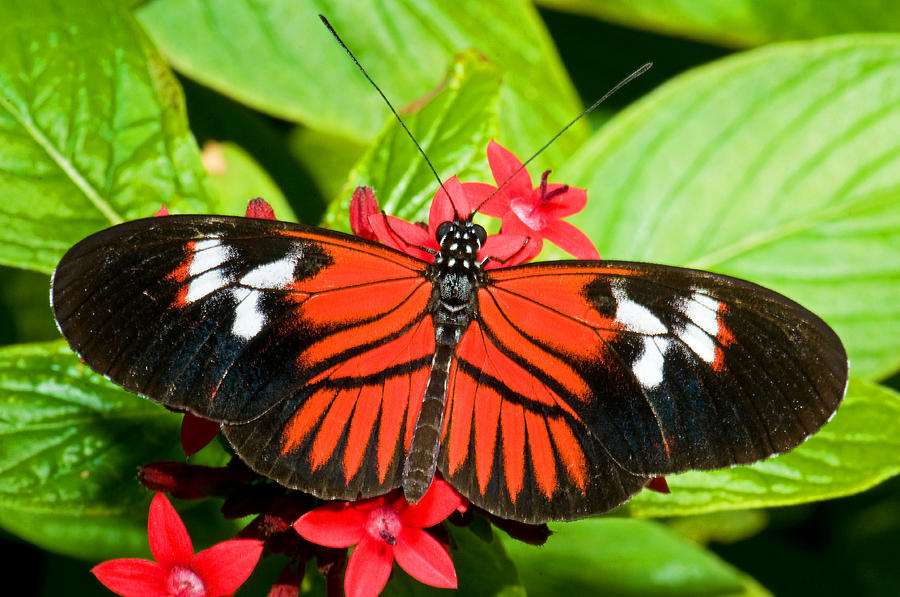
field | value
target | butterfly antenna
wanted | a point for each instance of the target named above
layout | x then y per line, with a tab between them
590	109
386	100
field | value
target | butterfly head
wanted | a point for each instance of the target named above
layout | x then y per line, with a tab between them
460	241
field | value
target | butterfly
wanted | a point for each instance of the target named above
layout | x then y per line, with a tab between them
346	368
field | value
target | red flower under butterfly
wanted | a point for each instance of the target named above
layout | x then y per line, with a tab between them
177	572
383	529
533	212
449	202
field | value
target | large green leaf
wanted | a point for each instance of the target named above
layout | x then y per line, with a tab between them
277	57
92	128
70	446
453	128
742	22
782	166
857	449
621	557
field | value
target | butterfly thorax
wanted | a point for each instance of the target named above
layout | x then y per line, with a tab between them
456	274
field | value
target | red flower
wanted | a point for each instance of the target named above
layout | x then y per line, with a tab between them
449	202
177	572
385	528
533	212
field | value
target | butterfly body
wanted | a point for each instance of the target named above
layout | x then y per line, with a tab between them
456	275
345	368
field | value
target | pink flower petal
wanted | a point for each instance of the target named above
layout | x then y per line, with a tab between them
439	502
403	236
162	211
225	566
332	525
132	577
260	208
197	432
363	205
570	239
486	199
449	203
509	249
169	540
368	569
503	165
424	559
565	204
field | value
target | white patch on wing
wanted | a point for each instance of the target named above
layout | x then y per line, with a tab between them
634	317
249	318
274	275
649	367
209	254
703	311
205	284
699	341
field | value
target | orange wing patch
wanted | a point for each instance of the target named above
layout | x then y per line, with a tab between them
369	397
508	424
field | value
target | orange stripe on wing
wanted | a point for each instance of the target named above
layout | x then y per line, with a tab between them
513	428
724	337
394	403
367	406
570	452
487	414
180	274
461	409
332	427
305	419
543	460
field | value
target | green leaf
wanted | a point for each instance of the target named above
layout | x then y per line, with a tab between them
328	158
742	22
70	446
620	557
483	569
453	128
235	178
727	526
781	166
859	448
92	129
278	57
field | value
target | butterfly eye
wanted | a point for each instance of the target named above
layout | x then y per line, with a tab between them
480	234
443	230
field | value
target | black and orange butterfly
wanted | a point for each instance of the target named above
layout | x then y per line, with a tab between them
345	368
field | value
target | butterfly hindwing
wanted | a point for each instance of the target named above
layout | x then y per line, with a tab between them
667	369
512	443
290	335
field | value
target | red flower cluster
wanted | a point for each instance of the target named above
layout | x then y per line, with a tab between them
529	215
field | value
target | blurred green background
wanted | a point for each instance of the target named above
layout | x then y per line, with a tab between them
848	545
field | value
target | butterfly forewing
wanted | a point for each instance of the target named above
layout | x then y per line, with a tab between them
310	345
